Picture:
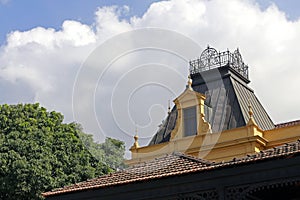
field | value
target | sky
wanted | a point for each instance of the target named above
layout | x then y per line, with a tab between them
113	65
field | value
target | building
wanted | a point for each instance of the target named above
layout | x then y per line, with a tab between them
217	142
218	117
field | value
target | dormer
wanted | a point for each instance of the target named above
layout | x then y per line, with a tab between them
191	114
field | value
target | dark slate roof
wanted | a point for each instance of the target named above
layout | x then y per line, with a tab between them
228	95
173	165
164	132
244	95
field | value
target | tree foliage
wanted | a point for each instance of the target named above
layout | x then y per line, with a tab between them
111	152
38	152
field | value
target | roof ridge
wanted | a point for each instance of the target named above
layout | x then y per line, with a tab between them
146	162
192	158
289	123
275	152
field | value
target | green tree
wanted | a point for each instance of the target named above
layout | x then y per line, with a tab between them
111	152
38	152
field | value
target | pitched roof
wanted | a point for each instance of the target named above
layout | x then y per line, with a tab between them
169	165
244	95
228	98
172	165
287	149
164	132
286	124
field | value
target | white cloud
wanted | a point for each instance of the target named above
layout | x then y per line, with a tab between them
73	33
267	39
108	22
46	60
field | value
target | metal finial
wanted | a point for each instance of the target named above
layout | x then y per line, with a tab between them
136	137
190	81
251	120
250	111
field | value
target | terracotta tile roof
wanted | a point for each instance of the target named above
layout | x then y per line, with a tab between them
174	164
169	165
292	123
273	153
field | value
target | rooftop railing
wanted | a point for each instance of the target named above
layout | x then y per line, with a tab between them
210	58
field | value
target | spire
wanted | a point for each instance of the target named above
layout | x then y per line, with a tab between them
189	83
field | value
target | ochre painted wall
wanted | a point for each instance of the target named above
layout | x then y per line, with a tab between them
223	146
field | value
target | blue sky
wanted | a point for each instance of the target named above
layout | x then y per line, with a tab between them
290	7
44	44
24	15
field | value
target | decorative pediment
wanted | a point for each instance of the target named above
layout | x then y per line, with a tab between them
190	104
188	98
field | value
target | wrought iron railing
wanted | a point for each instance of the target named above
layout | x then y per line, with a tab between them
211	59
